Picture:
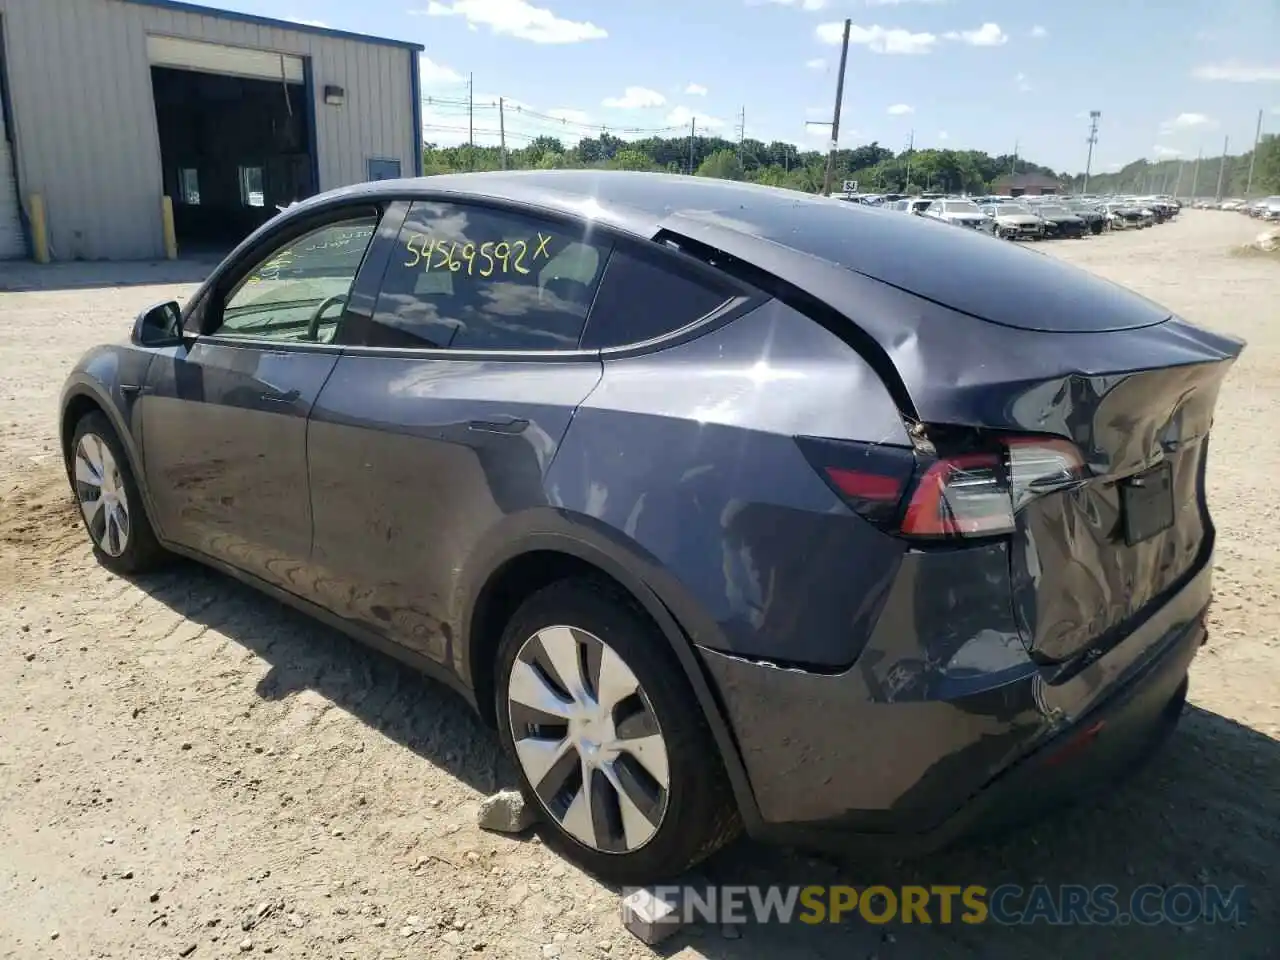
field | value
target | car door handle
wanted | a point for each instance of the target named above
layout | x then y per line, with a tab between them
276	396
500	425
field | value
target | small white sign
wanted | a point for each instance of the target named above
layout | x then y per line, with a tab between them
851	186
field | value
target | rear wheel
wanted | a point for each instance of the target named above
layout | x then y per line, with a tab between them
109	500
609	741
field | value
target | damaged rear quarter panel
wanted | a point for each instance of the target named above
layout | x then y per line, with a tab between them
689	453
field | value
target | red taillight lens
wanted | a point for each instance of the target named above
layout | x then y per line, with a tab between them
964	496
974	494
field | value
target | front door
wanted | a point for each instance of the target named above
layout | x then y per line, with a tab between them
441	421
225	422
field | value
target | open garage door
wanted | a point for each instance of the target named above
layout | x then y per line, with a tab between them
13	243
235	137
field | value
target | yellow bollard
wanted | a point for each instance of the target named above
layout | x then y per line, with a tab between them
39	229
170	235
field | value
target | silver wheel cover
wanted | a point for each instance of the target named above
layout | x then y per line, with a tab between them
588	740
100	491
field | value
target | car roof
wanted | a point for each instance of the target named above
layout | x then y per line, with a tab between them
816	243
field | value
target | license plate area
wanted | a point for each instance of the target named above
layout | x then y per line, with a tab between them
1146	504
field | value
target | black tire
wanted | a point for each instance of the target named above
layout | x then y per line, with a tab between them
142	552
700	815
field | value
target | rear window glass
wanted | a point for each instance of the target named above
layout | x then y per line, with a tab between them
640	299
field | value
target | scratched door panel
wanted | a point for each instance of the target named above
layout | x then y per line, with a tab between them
440	427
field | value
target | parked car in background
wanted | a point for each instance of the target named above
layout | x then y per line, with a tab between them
1269	208
719	506
1092	215
1061	222
912	205
1015	222
961	213
1122	215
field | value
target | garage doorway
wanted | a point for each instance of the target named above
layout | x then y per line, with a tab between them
234	147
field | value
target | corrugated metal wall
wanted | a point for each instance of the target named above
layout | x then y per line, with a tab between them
85	119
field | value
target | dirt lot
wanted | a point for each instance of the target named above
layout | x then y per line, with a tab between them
189	769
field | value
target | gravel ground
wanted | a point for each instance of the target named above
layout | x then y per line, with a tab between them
188	769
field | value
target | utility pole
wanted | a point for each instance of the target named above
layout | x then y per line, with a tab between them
1093	139
1257	135
1195	175
1222	167
471	121
1178	182
693	129
835	118
911	145
1013	165
502	135
742	132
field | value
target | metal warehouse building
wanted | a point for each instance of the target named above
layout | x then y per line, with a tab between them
110	106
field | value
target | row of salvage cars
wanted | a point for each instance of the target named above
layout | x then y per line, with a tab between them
1040	218
1268	208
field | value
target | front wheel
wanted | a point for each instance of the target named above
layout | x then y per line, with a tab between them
607	736
109	500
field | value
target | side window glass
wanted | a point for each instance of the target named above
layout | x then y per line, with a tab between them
298	291
466	277
641	298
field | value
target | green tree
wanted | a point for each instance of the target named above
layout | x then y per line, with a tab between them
723	164
631	159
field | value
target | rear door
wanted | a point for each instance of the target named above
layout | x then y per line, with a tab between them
224	422
444	412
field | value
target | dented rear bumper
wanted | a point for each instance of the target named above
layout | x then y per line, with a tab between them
913	746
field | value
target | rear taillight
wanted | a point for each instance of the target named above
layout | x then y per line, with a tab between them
961	496
969	494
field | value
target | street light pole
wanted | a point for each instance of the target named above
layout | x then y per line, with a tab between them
835	119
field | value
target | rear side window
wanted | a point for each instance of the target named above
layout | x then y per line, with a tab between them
468	277
644	297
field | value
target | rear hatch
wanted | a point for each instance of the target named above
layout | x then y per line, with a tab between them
1093	403
1111	522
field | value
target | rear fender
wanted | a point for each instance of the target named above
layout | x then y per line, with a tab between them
592	542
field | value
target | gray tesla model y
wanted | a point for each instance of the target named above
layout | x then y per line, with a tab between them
725	505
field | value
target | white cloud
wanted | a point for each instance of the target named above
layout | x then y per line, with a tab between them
987	35
308	23
683	116
634	98
434	74
878	39
516	18
572	116
1039	32
817	63
1166	152
1186	121
895	3
901	109
696	90
1234	72
1024	85
802	4
943	135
